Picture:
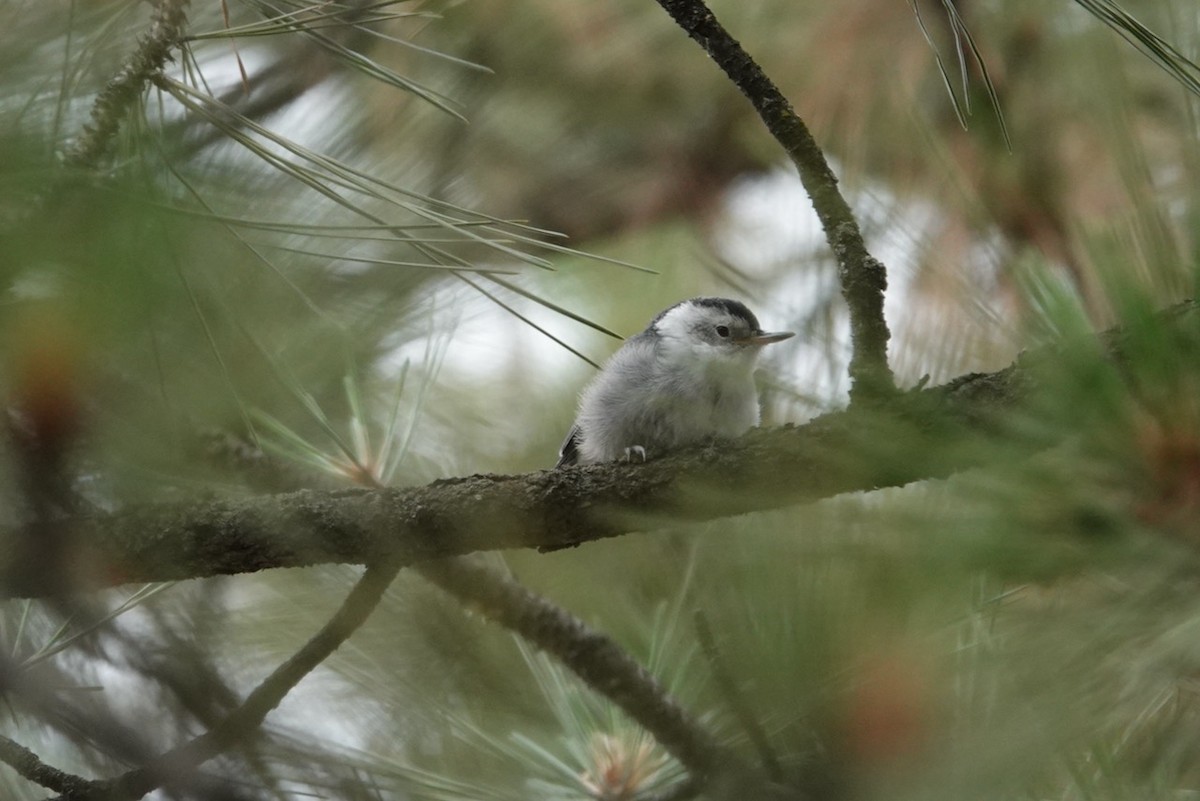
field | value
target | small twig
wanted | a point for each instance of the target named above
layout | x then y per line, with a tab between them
863	278
737	701
180	761
31	767
43	696
147	60
592	656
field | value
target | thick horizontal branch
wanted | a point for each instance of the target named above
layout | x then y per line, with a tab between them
919	435
770	468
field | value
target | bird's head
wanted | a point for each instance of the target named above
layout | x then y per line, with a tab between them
713	330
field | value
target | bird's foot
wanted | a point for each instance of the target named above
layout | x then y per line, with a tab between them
635	450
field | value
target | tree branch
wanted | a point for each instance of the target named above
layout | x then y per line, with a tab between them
863	278
30	766
179	762
919	435
840	452
597	660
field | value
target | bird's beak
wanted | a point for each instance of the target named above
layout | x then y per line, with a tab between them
764	338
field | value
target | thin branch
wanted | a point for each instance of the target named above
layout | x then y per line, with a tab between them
863	278
179	762
595	658
41	693
114	102
30	766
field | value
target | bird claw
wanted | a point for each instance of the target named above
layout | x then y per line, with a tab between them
635	449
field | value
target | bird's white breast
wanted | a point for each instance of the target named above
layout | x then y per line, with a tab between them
658	398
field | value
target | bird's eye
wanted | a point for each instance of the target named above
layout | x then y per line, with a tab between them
722	330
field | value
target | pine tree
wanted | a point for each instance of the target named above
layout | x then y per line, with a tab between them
287	285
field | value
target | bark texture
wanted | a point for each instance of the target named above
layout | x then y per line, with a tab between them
923	434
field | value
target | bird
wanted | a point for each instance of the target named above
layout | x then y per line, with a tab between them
687	378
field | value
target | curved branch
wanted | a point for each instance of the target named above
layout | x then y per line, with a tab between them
863	277
179	762
593	657
30	766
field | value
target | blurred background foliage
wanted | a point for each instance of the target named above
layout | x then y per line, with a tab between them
323	256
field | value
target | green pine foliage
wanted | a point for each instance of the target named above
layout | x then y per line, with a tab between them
319	275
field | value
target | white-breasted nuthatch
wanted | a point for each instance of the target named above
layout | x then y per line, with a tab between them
687	377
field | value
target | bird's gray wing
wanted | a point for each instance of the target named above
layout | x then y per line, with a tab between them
568	454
